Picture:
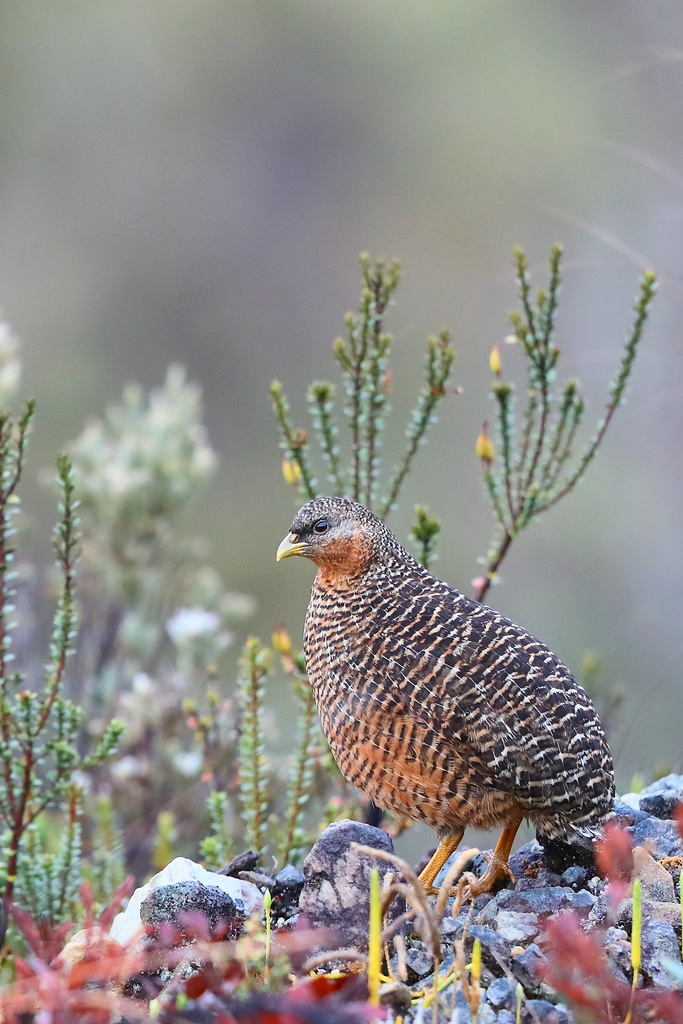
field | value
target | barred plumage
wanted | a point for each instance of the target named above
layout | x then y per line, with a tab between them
435	706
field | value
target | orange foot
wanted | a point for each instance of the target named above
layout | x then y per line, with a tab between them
469	886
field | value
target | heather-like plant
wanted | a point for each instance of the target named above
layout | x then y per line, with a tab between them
254	667
266	797
362	357
104	869
39	726
535	462
156	615
150	588
308	750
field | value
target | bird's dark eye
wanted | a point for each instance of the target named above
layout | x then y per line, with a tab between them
322	526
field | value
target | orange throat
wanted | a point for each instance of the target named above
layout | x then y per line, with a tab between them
342	560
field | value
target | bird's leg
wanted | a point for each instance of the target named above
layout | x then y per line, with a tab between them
441	854
469	887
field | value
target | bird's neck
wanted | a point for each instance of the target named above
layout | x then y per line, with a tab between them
340	578
362	573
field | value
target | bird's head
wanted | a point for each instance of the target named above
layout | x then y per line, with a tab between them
340	536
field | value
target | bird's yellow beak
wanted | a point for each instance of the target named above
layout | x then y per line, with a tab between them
290	546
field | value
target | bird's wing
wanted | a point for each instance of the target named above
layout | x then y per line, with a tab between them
486	685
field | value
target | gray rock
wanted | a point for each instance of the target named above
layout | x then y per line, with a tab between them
575	877
462	1013
288	878
660	837
599	913
396	995
451	929
505	1017
501	993
661	805
517	927
545	1012
668	912
336	893
495	950
657	884
485	1014
420	963
530	869
666	782
247	861
286	891
527	967
613	934
658	940
558	898
127	924
543	902
618	951
505	900
595	885
170	904
628	813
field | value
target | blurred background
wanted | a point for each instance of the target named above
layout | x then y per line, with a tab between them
192	180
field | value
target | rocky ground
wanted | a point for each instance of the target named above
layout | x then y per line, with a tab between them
332	892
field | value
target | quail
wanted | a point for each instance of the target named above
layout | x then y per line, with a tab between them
436	706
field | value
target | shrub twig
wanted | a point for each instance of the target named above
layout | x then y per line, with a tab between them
532	472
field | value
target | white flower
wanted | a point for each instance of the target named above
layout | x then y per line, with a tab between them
187	624
128	767
143	684
10	361
188	762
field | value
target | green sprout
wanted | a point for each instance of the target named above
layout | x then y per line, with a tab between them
636	930
374	939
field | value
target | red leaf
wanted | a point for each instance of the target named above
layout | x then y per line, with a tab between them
122	893
678	818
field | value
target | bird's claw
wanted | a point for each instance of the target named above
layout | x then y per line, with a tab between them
469	887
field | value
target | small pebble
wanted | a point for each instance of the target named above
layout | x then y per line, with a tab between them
501	993
545	1012
397	995
420	963
660	837
505	1017
657	883
485	1014
671	781
516	927
661	805
618	951
659	941
527	967
462	1013
575	877
286	891
246	861
495	950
